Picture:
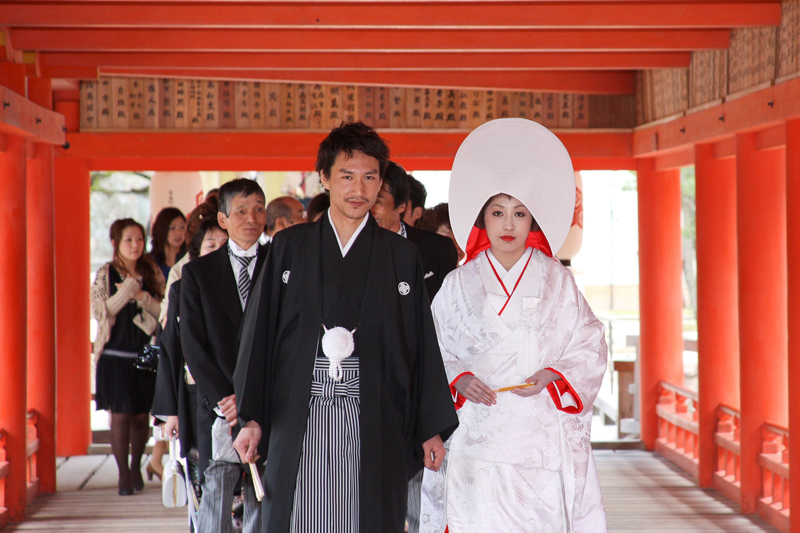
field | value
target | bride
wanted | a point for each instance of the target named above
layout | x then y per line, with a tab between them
523	351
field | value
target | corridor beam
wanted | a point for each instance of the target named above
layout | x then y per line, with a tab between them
761	242
660	298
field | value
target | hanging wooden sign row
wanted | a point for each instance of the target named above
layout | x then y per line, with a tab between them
177	104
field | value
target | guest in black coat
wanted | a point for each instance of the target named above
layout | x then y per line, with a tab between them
438	253
176	393
214	292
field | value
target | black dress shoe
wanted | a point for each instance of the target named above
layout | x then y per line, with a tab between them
125	492
137	482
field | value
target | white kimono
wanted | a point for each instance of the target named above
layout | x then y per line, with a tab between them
524	464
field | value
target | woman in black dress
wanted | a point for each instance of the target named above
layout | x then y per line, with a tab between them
126	297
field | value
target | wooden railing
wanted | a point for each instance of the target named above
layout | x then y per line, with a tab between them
774	462
727	477
677	426
3	474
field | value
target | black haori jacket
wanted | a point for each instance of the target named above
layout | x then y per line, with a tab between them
404	399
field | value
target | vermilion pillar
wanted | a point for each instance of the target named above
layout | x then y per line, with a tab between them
73	281
761	228
793	262
41	295
12	319
717	298
660	298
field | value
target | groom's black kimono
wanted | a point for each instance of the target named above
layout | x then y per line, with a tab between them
404	395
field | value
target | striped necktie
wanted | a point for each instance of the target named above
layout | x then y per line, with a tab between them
244	276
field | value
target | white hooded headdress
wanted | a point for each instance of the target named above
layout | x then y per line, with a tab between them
519	157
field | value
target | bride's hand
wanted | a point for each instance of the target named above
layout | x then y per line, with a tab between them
475	390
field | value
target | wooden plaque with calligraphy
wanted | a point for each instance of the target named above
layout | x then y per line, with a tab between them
88	105
211	104
439	108
504	106
287	106
226	91
397	107
428	109
489	104
382	109
366	105
196	104
302	118
463	109
520	104
105	99
119	86
318	107
136	103
537	107
581	111
451	109
335	105
566	110
477	113
151	104
242	105
413	108
181	104
258	117
350	102
550	110
272	104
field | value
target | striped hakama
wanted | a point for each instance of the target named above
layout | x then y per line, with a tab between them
326	495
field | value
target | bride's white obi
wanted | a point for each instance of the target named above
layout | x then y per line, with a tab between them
524	464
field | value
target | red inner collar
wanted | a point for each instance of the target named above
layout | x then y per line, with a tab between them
478	241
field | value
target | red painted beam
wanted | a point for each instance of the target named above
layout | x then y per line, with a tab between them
49	39
247	149
307	163
371	60
759	110
395	14
23	118
612	82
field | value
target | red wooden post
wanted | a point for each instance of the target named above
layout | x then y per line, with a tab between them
660	299
13	417
761	229
73	271
793	262
41	295
717	298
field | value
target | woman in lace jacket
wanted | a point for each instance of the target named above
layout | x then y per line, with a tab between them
524	354
126	297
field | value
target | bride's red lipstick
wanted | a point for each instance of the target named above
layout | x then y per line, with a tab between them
508	238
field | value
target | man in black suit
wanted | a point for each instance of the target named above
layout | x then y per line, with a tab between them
214	293
438	253
438	256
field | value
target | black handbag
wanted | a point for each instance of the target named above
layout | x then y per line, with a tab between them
148	358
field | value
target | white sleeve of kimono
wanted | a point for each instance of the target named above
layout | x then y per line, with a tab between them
443	318
583	362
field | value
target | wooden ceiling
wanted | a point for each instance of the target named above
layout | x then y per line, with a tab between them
559	46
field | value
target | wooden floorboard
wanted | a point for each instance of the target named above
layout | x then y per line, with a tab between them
87	501
642	491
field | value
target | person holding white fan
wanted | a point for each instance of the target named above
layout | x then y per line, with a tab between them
523	352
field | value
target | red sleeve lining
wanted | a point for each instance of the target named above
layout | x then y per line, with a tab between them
558	388
458	399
